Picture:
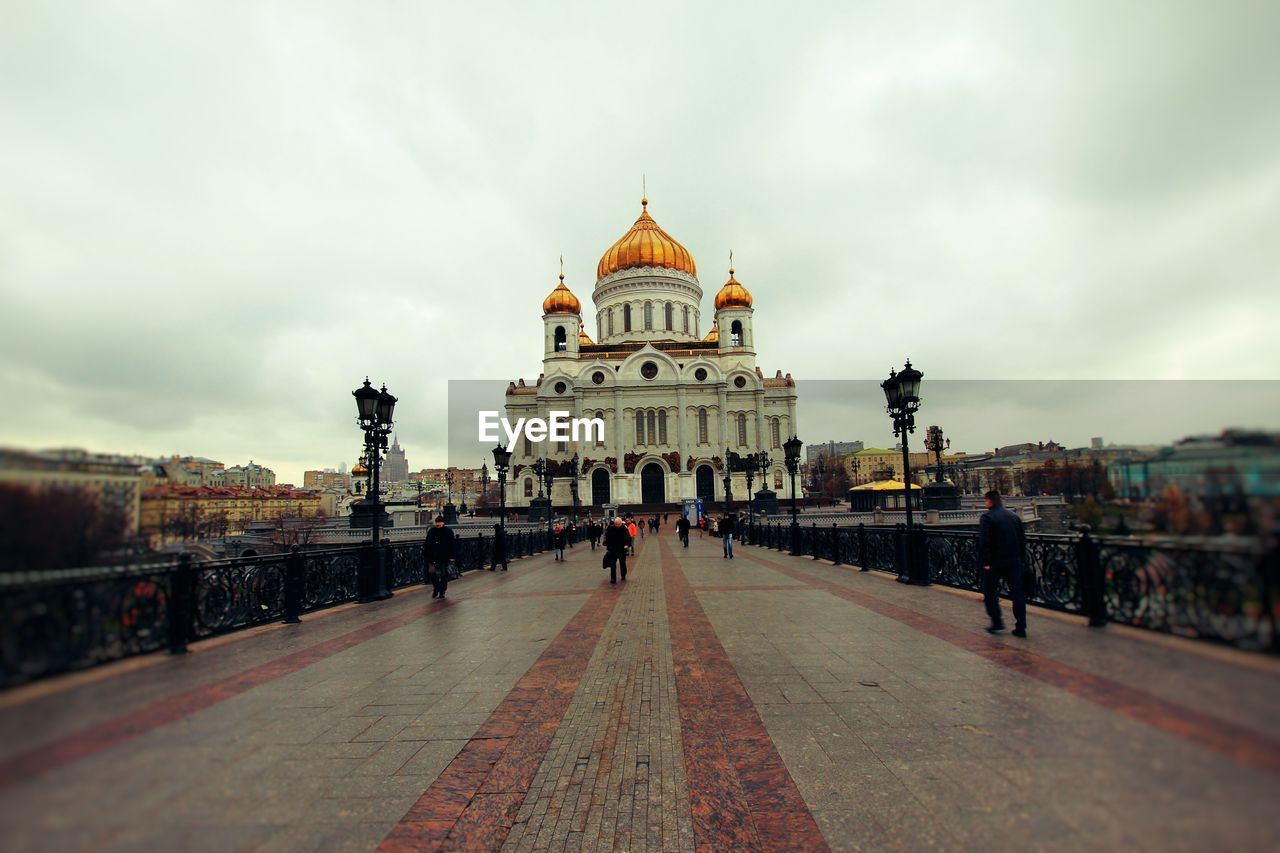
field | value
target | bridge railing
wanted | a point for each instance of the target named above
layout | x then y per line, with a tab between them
59	621
1219	591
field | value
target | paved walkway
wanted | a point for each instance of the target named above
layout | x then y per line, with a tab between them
767	702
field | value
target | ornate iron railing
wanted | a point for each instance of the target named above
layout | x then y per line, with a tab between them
67	620
1225	592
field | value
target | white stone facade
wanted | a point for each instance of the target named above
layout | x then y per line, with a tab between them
671	400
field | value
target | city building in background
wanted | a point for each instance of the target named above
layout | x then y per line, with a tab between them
183	513
111	482
250	476
395	468
671	397
1237	463
329	478
831	450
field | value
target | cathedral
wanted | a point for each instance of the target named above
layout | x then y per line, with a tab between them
672	398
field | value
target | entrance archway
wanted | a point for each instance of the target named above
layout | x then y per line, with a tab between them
599	487
706	483
653	484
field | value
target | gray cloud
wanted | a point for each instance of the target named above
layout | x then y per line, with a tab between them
216	220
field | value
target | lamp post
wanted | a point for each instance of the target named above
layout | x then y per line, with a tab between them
935	443
902	400
819	471
574	465
375	412
730	460
549	476
501	460
791	447
749	468
484	487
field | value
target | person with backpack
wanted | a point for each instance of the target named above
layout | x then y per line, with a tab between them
437	554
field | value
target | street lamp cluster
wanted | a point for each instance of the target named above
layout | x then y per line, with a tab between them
375	412
902	401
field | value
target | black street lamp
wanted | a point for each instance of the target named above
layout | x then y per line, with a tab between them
574	466
791	449
375	412
484	487
731	460
501	461
819	471
450	511
902	400
935	443
544	470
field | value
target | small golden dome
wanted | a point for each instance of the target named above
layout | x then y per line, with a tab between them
561	301
645	245
583	337
713	336
733	294
359	470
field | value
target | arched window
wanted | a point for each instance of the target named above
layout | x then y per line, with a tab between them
742	430
668	316
702	426
776	426
653	426
626	317
662	426
639	427
777	480
686	318
528	446
735	334
648	316
599	328
561	343
528	487
610	322
562	446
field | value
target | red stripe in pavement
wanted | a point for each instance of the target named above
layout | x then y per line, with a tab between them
741	792
755	587
473	803
138	722
1235	742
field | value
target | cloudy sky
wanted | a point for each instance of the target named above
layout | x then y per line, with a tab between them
216	218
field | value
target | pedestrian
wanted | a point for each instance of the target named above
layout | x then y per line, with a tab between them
702	527
682	529
617	539
560	535
573	532
726	535
714	527
1001	549
437	554
593	532
499	548
633	532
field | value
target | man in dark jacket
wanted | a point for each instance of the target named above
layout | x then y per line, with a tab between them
682	529
499	548
616	541
1001	544
727	528
437	554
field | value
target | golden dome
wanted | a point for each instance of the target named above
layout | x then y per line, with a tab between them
583	337
713	336
561	301
733	294
646	245
359	470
